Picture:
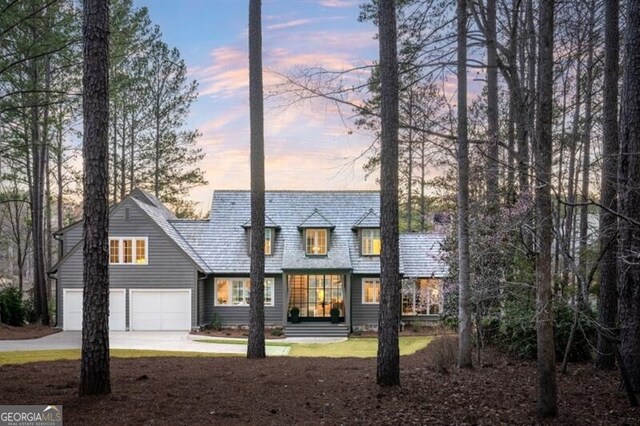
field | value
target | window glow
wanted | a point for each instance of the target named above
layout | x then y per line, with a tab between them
235	291
316	241
371	290
371	242
128	251
421	297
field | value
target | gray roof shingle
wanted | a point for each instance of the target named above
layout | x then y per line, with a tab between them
420	255
370	220
162	217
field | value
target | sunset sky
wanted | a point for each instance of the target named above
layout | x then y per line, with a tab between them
308	146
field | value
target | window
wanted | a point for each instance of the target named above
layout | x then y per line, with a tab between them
128	251
316	241
235	291
370	290
371	242
114	251
268	234
421	297
268	241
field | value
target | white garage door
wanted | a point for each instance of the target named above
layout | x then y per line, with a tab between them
72	309
168	309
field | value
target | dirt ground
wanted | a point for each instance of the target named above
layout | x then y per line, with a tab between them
316	391
8	332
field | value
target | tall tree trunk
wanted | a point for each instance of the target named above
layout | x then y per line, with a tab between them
47	179
388	365
410	173
256	345
123	157
114	138
94	372
629	199
37	201
60	187
464	310
547	389
423	203
493	123
583	290
605	357
132	162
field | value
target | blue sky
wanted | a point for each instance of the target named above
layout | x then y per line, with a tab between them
308	145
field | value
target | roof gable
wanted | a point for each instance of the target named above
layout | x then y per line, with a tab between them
316	220
369	220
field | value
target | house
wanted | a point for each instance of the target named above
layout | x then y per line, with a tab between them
321	252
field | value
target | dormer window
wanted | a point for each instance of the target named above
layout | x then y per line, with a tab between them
268	238
270	228
316	242
370	241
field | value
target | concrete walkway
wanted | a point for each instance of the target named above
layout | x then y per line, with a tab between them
178	341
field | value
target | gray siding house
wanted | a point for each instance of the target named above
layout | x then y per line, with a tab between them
322	255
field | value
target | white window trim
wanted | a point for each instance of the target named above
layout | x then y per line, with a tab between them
133	250
362	242
364	302
326	233
230	290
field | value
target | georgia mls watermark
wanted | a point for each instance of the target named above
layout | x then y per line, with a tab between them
30	415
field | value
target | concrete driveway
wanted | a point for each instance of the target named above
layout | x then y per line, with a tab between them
179	341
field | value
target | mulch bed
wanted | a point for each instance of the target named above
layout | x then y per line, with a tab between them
237	332
8	332
316	391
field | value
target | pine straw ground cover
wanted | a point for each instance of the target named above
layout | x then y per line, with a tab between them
233	390
8	332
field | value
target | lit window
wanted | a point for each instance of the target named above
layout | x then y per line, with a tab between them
114	251
422	297
141	251
370	290
267	241
371	242
128	251
235	291
316	241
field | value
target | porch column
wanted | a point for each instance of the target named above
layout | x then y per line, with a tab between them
347	301
285	296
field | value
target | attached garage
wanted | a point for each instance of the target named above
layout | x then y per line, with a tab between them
162	310
72	309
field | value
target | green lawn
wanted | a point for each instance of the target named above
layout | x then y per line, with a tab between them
365	347
24	357
362	347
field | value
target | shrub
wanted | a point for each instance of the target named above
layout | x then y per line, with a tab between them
215	324
518	331
442	353
277	331
30	315
11	307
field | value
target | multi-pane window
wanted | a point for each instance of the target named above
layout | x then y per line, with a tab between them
128	251
235	291
422	297
371	290
114	251
316	241
371	241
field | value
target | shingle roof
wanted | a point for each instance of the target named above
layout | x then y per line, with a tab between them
420	255
268	223
316	220
369	220
225	250
162	217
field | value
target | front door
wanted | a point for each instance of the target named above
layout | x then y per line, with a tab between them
316	295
